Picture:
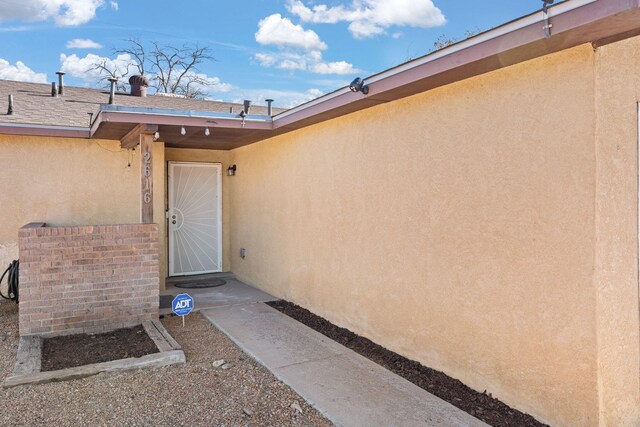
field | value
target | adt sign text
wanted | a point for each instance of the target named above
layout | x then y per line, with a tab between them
182	305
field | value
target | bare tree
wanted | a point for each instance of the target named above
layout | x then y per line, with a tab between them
172	70
176	69
137	52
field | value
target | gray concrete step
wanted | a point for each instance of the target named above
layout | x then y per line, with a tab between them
345	387
199	277
233	292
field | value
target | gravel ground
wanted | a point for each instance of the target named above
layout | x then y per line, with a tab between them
191	395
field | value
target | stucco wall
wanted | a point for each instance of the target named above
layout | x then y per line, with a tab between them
71	182
616	273
211	156
455	227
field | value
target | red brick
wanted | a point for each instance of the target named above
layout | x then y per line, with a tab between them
88	278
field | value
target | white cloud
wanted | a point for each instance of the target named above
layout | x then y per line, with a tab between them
84	67
20	72
83	44
283	98
369	18
63	12
114	5
339	67
16	29
310	61
279	31
266	59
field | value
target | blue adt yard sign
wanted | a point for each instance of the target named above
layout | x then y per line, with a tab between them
182	305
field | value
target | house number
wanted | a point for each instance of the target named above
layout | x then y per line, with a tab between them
147	176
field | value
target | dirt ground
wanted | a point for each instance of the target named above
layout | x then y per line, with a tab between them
61	353
196	394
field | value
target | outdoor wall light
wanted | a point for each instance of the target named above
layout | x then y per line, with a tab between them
358	85
207	132
156	136
183	131
231	170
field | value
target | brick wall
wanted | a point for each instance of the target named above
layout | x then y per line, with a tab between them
87	279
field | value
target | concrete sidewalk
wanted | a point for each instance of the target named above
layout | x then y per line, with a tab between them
345	387
233	292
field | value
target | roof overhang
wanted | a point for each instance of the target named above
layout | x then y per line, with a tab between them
573	23
226	130
39	130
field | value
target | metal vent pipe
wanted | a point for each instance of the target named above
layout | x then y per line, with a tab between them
269	107
112	91
10	109
60	82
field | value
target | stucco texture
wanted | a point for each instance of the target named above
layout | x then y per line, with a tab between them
211	156
456	227
616	252
71	182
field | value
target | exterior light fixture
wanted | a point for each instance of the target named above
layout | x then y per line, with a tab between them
156	136
183	131
231	170
357	85
207	132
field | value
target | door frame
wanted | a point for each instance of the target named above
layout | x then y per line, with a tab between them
170	196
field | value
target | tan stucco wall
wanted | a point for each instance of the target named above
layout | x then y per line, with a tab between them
211	156
455	227
71	182
616	252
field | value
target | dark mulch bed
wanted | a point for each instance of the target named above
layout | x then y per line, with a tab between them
78	350
480	405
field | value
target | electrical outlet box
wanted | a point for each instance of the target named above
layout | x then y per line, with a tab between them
243	252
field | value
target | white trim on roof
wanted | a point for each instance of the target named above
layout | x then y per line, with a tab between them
183	113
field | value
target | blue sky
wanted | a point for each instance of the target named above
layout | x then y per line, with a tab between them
291	50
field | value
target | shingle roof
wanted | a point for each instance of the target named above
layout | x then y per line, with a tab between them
33	104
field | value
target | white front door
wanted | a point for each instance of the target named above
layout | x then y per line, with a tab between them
195	220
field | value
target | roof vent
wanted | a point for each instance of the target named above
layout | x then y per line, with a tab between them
269	107
60	82
139	85
112	90
247	106
10	109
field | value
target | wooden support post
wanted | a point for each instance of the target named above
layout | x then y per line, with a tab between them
143	134
146	178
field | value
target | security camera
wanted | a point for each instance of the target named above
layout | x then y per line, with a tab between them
358	85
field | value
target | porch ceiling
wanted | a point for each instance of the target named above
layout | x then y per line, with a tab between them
219	138
226	130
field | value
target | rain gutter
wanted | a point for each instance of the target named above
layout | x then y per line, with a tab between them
525	31
43	130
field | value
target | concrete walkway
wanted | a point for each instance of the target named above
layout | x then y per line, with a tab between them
345	387
232	292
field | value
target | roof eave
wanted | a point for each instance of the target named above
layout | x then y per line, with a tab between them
43	130
574	22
